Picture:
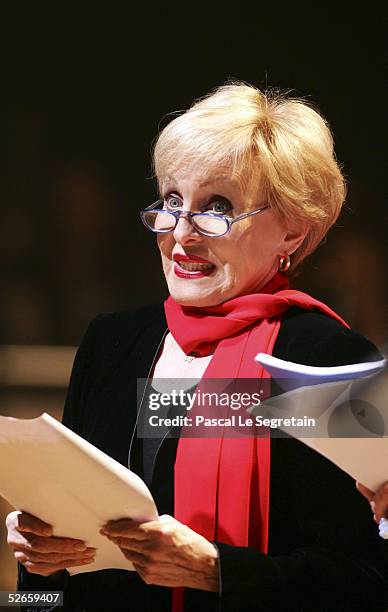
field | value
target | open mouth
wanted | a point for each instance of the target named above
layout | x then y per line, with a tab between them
191	266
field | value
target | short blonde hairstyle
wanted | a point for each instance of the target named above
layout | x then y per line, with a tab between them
281	145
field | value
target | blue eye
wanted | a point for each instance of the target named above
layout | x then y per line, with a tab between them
220	207
172	202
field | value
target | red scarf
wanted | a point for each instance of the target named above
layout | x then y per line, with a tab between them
222	484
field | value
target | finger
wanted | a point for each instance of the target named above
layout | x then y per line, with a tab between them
42	544
150	550
381	503
127	524
123	527
133	556
45	569
131	525
138	531
51	558
163	574
365	491
141	546
25	522
172	575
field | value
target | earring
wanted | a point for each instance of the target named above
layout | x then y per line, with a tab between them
284	263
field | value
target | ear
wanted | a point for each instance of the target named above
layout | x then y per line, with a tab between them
294	238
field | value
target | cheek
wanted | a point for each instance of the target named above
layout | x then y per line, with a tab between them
232	266
160	241
251	258
238	253
164	255
165	246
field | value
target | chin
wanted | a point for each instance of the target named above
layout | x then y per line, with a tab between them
194	298
198	302
200	293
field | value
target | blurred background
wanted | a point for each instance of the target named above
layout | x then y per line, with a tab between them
85	90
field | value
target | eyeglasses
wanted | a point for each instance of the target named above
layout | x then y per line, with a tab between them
208	224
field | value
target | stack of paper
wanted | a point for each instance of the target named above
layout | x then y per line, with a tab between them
54	474
350	407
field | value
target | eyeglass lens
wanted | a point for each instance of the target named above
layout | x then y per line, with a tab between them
162	221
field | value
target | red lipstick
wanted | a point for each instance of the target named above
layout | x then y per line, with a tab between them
193	258
185	271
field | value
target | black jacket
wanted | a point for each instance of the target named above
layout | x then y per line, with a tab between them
324	550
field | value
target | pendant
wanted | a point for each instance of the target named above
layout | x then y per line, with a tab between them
190	357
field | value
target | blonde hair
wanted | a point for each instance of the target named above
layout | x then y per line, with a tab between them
280	145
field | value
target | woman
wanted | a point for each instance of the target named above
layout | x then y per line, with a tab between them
249	187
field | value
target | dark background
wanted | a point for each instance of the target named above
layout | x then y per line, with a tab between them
85	88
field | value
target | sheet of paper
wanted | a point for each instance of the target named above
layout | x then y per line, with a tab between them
365	459
54	474
291	375
351	422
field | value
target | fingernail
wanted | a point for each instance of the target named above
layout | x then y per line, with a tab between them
79	547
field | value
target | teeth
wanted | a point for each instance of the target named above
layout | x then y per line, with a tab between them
193	267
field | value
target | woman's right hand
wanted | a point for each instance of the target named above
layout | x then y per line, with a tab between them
38	550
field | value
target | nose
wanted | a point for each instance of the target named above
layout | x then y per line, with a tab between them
185	233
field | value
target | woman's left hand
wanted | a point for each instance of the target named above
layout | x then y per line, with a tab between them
166	552
378	500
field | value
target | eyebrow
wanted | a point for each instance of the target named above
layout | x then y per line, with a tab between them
206	183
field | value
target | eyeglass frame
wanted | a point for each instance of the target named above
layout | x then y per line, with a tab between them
188	214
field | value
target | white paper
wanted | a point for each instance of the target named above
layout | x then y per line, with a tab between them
365	459
291	375
49	471
327	395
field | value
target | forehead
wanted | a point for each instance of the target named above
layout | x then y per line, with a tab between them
196	177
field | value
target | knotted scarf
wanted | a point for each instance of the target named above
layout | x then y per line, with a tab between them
221	487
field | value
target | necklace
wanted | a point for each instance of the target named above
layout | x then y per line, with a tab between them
191	356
